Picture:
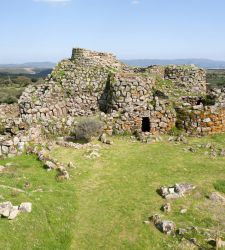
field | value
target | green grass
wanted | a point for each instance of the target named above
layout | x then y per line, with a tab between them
220	186
49	224
104	204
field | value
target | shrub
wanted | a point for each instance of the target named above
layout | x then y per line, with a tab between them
208	100
88	128
9	100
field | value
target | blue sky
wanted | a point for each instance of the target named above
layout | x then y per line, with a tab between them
46	30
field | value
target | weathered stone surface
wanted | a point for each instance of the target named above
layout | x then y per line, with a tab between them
217	197
9	111
5	208
14	212
166	208
9	211
63	174
176	191
165	226
50	165
71	165
25	207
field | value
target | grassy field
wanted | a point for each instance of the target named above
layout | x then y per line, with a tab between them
105	202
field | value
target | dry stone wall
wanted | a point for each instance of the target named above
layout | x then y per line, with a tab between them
72	90
127	99
190	78
198	118
16	135
9	111
131	100
92	83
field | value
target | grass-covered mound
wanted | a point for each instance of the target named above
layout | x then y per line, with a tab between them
106	200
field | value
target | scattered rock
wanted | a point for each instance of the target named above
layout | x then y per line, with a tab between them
50	165
165	226
213	153
191	149
181	138
176	191
208	145
181	231
183	211
71	165
26	184
14	212
103	138
25	207
217	197
109	142
171	139
194	241
62	174
186	245
222	152
76	145
5	208
220	243
166	208
50	146
2	168
9	211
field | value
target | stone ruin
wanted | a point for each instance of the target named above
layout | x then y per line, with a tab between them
150	100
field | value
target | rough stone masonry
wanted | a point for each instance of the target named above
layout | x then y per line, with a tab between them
150	100
93	82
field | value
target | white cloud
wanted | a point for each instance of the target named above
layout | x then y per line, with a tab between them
135	2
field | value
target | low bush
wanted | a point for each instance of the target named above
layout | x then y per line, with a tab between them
88	128
208	100
8	100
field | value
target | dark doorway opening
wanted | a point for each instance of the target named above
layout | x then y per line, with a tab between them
145	124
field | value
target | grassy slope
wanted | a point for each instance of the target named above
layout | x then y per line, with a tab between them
49	224
107	199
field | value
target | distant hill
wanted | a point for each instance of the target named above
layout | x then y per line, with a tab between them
41	65
36	72
203	63
38	69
